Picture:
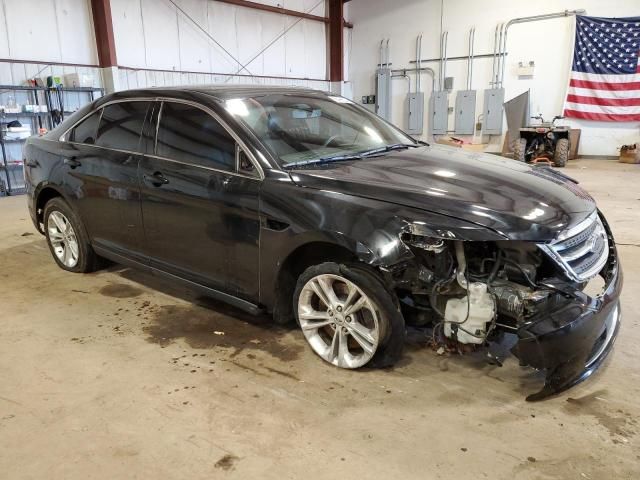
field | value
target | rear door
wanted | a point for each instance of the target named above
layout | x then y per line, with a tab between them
200	211
102	171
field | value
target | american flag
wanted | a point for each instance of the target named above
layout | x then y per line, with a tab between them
605	76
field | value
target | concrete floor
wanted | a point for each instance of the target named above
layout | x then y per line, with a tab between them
115	375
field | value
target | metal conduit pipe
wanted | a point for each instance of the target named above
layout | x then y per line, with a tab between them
534	18
472	39
497	77
427	70
444	65
495	52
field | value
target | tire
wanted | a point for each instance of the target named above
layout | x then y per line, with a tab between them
63	229
519	150
372	335
561	155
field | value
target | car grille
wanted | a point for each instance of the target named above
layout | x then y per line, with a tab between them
582	250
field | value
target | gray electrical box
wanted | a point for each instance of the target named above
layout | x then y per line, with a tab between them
383	93
448	83
465	111
493	100
439	109
415	106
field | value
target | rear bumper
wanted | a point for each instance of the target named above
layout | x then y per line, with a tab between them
571	343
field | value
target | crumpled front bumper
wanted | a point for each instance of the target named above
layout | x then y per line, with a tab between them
571	342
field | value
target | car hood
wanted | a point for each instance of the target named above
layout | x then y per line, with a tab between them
514	199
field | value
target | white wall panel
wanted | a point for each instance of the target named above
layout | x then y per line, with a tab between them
315	48
32	30
161	33
249	31
274	57
128	32
75	30
194	43
295	49
222	26
54	30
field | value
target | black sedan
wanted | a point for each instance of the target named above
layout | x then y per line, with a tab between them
307	206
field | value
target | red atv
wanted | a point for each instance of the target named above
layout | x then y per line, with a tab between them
543	142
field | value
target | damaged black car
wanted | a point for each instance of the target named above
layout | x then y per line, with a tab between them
307	206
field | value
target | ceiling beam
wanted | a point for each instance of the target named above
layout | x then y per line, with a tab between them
103	28
280	10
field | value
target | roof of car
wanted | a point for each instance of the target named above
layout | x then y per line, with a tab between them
221	92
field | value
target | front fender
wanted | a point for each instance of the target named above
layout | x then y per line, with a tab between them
370	229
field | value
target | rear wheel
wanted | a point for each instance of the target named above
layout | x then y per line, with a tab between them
519	149
67	239
561	155
348	317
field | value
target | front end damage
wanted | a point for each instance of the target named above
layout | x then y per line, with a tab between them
473	292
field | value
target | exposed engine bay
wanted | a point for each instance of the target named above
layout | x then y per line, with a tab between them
473	293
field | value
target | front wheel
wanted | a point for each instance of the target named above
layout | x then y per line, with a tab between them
348	317
561	154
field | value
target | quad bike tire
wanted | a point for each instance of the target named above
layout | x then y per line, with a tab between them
561	155
519	149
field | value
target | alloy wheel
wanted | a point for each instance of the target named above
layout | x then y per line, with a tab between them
63	239
340	322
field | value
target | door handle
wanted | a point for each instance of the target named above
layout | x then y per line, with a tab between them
72	162
157	179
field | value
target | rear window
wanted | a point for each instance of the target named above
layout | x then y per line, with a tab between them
85	131
121	125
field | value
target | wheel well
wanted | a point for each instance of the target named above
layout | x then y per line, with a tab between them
293	266
43	197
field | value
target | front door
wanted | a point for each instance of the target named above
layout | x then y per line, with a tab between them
200	213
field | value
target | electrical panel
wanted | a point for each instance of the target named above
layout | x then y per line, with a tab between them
465	112
493	101
415	106
383	93
439	109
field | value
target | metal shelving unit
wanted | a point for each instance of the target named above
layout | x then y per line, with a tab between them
11	175
12	180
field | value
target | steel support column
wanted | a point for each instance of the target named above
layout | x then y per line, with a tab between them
336	41
103	27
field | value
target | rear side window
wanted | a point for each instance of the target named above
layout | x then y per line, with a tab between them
121	125
191	135
85	131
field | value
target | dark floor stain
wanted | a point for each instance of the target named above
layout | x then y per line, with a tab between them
617	422
26	234
201	327
120	290
227	462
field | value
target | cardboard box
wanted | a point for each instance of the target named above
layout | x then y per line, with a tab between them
630	155
73	80
574	142
475	147
451	141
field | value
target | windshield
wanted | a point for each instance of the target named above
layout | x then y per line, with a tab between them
304	129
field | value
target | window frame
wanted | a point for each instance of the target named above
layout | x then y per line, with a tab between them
77	124
239	143
259	172
144	121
